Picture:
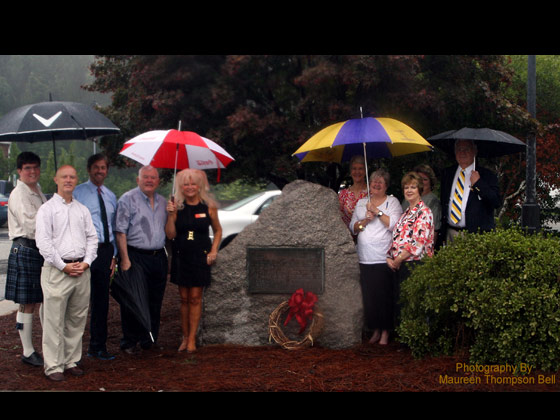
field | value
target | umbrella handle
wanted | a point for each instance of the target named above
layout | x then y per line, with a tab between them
365	160
474	169
367	175
175	172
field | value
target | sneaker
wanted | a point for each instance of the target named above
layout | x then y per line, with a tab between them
34	359
101	355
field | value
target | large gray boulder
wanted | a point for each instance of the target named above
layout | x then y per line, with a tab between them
306	215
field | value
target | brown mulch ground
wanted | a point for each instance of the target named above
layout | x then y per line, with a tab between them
242	368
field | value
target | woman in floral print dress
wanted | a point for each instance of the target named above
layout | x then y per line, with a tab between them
348	197
413	235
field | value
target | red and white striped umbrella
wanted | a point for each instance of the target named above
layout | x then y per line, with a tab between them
174	149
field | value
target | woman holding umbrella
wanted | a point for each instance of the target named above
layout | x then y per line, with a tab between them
190	214
373	222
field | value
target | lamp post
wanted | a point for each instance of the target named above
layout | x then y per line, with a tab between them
530	215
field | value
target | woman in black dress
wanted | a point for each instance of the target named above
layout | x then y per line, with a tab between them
190	213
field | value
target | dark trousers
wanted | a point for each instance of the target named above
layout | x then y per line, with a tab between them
155	271
402	274
99	301
377	282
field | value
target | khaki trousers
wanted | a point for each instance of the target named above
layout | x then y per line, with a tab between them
64	314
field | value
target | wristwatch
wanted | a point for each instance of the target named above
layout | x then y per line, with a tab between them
380	214
361	227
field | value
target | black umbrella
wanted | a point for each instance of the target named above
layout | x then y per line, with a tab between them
130	290
489	142
54	120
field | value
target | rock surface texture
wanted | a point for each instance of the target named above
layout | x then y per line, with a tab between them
306	215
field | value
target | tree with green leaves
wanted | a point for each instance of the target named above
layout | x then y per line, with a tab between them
261	108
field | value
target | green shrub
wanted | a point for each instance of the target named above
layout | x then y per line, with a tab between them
496	295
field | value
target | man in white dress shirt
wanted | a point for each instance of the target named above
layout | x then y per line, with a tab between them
474	210
67	240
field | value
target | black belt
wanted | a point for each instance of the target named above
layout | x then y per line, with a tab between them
74	260
145	251
458	229
104	245
28	243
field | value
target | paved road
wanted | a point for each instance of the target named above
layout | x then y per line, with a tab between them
6	306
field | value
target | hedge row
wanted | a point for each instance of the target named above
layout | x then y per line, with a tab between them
495	294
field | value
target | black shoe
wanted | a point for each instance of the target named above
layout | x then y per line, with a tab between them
34	359
76	371
146	345
101	355
130	350
57	377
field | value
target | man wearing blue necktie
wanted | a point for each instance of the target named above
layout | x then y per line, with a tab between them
469	194
102	204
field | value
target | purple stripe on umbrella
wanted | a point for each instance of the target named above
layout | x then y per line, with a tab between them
361	130
379	150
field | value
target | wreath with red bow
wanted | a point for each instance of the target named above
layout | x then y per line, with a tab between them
301	306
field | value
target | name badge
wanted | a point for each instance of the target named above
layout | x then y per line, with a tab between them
200	215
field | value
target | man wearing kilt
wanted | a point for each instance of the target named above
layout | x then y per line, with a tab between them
23	282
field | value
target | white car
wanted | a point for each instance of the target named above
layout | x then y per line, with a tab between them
236	216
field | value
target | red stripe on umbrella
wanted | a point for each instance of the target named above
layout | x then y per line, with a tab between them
162	149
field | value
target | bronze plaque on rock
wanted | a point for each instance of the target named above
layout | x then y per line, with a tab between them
284	270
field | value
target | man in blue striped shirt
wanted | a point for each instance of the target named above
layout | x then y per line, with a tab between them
140	233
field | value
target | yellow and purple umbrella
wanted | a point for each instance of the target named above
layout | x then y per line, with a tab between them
374	137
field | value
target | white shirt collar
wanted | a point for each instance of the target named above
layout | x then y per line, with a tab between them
61	199
467	170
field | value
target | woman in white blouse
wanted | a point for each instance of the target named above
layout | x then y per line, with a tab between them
373	222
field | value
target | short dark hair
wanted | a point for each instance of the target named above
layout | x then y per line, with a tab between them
94	158
27	157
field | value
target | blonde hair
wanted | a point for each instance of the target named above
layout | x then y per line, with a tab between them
199	177
410	177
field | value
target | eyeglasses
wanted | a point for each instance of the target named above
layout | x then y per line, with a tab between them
29	168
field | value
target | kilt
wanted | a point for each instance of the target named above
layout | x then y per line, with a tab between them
23	280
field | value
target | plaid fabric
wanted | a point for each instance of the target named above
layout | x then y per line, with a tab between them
23	280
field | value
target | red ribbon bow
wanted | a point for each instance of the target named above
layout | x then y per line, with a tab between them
301	306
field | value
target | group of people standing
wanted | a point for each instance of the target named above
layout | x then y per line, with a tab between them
65	251
391	237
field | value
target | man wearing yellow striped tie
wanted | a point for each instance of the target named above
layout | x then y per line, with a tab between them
469	194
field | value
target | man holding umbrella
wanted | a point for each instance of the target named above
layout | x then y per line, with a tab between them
469	194
140	233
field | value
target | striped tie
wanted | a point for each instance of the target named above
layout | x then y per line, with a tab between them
456	212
